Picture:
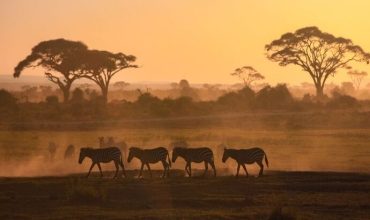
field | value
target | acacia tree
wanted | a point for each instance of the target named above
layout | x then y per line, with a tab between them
318	53
101	66
357	77
248	75
56	56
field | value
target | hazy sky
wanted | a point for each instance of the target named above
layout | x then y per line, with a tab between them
202	41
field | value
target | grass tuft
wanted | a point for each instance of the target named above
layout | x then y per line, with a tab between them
279	212
78	192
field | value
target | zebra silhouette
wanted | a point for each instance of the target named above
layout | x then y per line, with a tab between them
147	156
246	156
52	149
69	154
104	155
196	155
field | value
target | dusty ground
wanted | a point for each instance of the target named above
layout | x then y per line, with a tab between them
305	195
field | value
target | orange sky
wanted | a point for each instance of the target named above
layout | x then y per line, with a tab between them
201	41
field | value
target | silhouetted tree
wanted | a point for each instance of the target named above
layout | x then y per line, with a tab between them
186	90
52	100
101	66
121	84
357	77
248	75
60	56
7	101
318	53
277	97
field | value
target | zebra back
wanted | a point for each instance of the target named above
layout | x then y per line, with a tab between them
193	154
148	155
103	155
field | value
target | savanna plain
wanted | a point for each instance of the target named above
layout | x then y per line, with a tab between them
318	169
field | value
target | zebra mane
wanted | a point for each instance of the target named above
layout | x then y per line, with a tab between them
86	148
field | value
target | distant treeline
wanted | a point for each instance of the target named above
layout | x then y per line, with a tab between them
86	105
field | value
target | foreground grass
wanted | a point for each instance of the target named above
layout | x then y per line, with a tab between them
302	195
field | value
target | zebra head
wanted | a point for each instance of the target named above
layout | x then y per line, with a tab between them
134	152
82	154
226	155
175	154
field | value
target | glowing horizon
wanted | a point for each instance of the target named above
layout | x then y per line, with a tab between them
202	42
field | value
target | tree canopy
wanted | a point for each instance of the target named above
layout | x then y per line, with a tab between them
101	66
59	56
318	53
248	75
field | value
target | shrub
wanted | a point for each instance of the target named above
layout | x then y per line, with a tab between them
77	192
280	213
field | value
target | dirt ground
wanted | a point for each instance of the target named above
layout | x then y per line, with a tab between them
299	195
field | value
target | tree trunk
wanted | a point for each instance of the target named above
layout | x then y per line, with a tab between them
65	90
319	92
104	91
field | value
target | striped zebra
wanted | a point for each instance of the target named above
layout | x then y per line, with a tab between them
105	155
121	145
196	155
147	156
246	156
52	149
69	154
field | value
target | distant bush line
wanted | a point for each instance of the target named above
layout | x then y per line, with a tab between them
80	108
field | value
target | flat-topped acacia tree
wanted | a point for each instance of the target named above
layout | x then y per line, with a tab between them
318	53
100	66
57	56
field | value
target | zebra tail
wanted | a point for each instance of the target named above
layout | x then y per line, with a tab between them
266	160
169	161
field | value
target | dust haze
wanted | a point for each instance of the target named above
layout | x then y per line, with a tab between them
286	150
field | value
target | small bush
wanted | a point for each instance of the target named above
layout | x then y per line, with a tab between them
78	192
280	213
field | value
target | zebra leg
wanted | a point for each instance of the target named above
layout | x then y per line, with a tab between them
101	173
189	168
165	165
123	168
206	168
213	166
237	170
261	165
245	169
92	165
117	168
142	166
149	170
186	168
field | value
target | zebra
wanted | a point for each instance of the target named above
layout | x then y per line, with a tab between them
121	145
246	156
147	156
105	155
69	154
196	155
182	144
52	149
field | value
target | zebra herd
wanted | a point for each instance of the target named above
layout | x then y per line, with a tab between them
69	153
161	154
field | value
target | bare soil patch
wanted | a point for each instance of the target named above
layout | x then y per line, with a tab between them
310	195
